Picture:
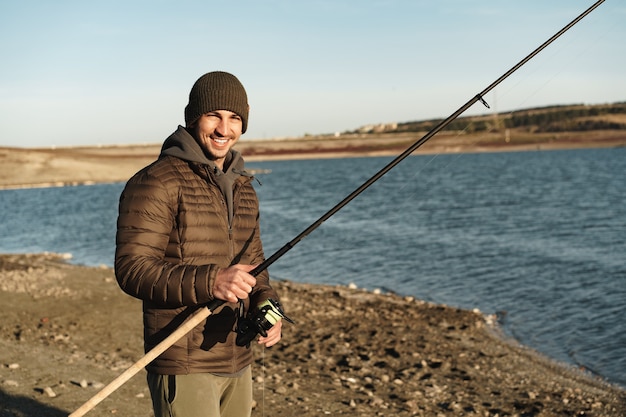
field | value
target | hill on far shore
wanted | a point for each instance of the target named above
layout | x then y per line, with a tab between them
556	127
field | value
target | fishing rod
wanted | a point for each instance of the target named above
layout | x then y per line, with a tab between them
200	315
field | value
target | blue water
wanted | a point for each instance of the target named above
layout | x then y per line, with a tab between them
538	238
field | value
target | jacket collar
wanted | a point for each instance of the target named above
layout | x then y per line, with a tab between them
182	145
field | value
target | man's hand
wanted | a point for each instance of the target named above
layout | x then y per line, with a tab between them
273	335
234	283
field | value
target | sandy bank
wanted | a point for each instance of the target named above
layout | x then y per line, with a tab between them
49	167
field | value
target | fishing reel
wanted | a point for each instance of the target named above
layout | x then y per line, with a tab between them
258	321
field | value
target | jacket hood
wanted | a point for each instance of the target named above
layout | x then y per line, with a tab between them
182	145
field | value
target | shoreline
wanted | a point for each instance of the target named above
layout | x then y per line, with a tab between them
351	351
75	166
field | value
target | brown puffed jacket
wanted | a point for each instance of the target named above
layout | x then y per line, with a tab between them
180	221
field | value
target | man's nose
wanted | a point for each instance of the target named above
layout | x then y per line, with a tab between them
222	127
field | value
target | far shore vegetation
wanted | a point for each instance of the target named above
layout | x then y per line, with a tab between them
563	118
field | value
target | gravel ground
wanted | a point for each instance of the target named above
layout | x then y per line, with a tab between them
66	331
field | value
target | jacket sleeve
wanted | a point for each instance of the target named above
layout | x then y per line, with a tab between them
145	222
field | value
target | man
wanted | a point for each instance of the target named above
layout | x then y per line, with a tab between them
188	234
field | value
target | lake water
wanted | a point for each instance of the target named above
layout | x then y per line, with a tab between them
538	238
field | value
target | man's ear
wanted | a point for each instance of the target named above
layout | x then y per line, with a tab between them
193	124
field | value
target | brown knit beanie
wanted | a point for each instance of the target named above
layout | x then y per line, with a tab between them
217	91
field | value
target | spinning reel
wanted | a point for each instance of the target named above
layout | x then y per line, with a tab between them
259	321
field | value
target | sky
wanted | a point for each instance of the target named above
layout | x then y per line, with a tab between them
119	72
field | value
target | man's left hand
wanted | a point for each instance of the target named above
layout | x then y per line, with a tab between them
273	335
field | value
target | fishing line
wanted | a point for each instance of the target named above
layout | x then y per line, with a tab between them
263	375
579	52
425	185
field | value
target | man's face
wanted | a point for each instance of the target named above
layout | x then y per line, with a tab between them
217	132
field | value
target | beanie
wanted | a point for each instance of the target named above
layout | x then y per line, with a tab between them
217	90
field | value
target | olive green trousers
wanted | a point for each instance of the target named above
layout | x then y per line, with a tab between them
201	395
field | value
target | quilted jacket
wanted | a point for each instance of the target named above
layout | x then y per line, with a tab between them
180	221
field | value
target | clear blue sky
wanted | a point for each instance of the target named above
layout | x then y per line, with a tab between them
115	72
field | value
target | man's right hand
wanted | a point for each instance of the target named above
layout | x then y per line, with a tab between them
234	283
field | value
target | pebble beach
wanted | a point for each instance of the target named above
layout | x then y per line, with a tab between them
66	331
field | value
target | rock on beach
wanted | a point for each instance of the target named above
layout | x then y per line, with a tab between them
67	330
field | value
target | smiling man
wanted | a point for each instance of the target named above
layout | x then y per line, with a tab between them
187	234
217	132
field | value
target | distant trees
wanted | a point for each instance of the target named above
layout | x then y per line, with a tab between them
546	119
579	118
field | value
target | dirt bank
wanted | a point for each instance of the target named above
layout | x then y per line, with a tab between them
65	331
46	167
